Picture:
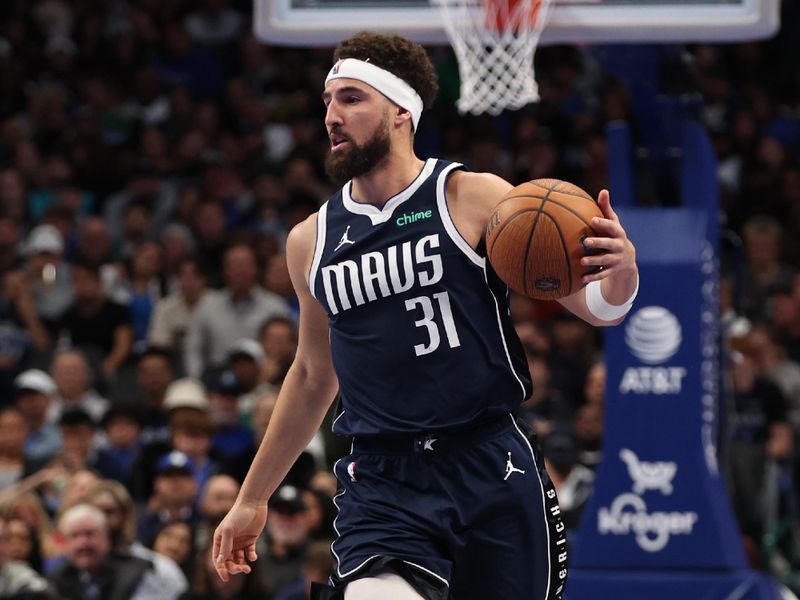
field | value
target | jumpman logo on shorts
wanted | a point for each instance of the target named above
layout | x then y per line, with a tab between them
510	468
344	240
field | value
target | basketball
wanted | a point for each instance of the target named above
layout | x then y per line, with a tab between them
534	240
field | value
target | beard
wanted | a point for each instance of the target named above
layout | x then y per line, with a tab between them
359	160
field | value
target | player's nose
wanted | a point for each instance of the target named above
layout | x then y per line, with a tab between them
332	116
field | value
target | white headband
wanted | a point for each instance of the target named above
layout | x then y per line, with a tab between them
388	84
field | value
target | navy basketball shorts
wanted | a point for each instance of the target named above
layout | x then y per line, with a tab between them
469	516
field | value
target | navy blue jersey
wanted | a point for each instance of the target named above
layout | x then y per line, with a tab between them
419	327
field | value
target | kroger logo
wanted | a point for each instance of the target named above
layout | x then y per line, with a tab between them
653	334
628	515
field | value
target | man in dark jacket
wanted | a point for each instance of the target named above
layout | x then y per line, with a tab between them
92	571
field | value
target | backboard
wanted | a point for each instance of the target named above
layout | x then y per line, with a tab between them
325	22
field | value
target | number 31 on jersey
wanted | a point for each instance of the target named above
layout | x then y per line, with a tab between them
427	321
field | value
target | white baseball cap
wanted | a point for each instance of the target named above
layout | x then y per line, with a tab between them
247	347
35	380
44	238
185	393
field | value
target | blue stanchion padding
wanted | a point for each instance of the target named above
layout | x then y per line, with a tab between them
659	502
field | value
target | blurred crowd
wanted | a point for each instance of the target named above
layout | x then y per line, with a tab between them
153	157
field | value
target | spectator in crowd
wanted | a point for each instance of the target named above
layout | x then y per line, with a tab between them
177	244
192	434
246	360
572	352
22	333
231	438
325	482
312	458
74	491
78	450
23	544
572	480
276	280
284	545
216	499
143	288
94	244
34	391
218	496
154	375
167	580
278	338
762	245
546	407
146	189
174	494
784	314
92	569
13	463
73	380
214	25
175	541
18	580
317	568
228	315
28	507
207	585
96	325
211	233
172	314
772	362
594	386
588	426
47	272
761	432
122	425
320	513
182	396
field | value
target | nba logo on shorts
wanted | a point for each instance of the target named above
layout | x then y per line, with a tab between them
351	470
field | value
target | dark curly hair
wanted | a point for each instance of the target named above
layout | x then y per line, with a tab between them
398	55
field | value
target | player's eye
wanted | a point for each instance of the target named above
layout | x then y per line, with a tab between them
352	99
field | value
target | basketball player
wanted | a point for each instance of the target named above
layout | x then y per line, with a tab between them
442	495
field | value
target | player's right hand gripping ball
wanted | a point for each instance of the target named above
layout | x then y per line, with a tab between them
534	239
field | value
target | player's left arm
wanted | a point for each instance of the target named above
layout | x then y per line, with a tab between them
617	280
471	199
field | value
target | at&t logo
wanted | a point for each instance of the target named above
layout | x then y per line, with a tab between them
653	335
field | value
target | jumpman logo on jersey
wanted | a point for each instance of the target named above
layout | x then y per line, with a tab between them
510	468
429	441
344	240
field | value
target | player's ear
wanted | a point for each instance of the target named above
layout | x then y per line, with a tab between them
401	116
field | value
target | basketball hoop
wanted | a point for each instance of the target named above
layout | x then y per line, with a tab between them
494	42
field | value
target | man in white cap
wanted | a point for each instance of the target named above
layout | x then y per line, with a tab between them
47	272
34	391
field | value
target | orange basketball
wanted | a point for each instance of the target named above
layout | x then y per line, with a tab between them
534	239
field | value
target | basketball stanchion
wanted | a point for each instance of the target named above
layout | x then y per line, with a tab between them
494	42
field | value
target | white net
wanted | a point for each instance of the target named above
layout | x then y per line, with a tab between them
494	42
